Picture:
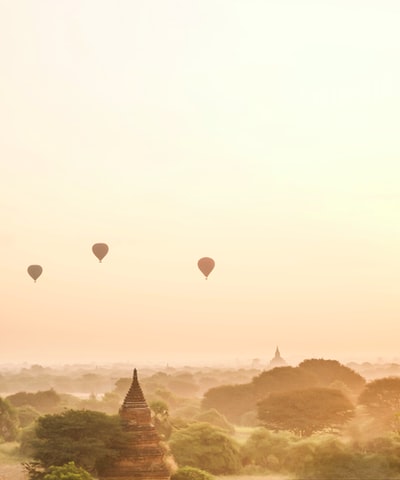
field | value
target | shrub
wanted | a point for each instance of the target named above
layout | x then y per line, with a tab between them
191	473
206	447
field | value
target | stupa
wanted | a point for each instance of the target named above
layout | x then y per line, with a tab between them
145	459
277	361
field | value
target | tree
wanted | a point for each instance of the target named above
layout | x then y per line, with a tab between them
322	456
282	379
262	444
206	447
213	417
231	400
68	471
27	415
161	418
122	386
8	421
329	372
167	396
382	399
44	401
90	439
346	465
182	386
27	438
305	411
159	408
191	473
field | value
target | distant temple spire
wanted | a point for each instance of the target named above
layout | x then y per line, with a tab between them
277	361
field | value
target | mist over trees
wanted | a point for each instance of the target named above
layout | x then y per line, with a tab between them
43	402
381	398
8	421
233	401
320	419
305	411
206	447
236	401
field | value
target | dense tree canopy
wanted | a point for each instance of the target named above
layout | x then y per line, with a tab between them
329	372
215	418
68	471
122	386
8	421
382	399
45	402
159	408
305	411
160	418
281	379
27	415
90	439
206	447
322	456
233	401
236	402
348	465
191	473
264	447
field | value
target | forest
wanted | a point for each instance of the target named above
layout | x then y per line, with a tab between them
319	420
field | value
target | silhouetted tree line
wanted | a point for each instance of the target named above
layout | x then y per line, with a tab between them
318	420
235	401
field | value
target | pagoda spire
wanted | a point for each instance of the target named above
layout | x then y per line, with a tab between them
144	457
277	361
135	398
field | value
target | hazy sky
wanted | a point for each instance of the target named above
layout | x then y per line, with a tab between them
264	134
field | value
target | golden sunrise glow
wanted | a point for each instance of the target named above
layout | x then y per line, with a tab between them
261	134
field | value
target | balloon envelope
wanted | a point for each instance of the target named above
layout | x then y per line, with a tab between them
206	265
100	250
35	271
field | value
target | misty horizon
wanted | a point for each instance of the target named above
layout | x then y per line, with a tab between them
252	135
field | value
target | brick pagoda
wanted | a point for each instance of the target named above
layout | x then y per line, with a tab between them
146	460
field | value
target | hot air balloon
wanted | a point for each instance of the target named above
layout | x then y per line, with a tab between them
206	266
100	250
35	271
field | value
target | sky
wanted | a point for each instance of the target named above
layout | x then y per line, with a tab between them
263	134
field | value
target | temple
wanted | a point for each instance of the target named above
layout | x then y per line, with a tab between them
146	458
277	361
